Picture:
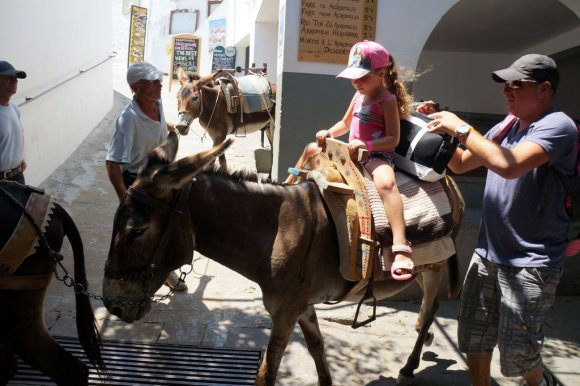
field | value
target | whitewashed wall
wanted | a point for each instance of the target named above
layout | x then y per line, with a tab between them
54	42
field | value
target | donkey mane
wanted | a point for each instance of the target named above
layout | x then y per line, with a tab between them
244	175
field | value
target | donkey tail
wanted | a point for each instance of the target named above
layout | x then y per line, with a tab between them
87	329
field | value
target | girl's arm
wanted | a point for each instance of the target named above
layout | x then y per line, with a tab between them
339	128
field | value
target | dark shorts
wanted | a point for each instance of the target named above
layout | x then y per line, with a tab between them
387	157
129	178
506	306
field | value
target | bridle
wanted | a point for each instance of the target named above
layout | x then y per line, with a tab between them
200	92
177	212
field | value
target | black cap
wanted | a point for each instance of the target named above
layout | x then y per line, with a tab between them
9	70
538	67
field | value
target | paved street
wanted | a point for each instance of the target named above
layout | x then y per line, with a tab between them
223	309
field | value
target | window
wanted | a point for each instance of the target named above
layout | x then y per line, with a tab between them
183	21
212	5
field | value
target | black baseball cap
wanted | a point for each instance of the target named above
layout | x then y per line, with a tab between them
9	70
538	67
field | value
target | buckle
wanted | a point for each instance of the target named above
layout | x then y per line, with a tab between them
11	173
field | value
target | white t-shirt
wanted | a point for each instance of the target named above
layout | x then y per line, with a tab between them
11	137
135	136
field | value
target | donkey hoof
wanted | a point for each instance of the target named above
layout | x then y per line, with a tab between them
429	338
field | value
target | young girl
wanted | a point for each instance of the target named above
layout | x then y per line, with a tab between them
373	120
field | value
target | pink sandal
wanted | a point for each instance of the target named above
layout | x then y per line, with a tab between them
402	265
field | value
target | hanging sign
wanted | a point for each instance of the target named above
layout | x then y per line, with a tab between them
329	28
137	35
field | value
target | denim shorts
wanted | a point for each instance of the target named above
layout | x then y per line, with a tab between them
506	306
387	157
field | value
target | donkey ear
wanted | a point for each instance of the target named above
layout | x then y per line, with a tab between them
178	173
167	150
182	75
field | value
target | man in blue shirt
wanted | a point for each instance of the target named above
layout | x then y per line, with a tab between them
517	263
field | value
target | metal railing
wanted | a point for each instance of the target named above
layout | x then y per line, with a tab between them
81	72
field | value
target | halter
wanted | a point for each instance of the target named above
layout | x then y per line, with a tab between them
177	212
201	106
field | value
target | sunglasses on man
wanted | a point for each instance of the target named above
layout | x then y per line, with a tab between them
515	84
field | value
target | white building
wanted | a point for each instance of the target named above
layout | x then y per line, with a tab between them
65	46
65	49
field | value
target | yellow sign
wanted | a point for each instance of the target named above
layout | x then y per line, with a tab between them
329	28
137	35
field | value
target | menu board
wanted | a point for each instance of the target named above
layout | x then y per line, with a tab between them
223	58
185	53
137	35
329	28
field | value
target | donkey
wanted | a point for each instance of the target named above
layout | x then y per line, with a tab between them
202	98
22	329
279	236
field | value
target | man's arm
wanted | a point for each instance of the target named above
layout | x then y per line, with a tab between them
116	178
508	163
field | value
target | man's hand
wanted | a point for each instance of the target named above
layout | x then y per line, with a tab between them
444	122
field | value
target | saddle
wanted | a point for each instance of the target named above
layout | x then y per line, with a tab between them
431	210
246	94
19	237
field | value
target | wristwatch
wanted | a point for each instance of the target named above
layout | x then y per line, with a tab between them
462	132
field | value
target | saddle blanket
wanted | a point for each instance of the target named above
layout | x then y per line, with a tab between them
19	237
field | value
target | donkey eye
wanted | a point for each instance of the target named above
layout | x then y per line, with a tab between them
136	233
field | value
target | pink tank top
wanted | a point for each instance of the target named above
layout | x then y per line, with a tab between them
367	121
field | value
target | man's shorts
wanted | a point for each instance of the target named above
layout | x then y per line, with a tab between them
506	306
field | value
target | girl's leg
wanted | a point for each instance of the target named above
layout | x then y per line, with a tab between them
384	179
309	151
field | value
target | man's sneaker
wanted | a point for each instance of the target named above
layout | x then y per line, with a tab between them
174	283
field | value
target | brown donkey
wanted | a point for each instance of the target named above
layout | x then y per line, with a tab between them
279	236
203	98
22	329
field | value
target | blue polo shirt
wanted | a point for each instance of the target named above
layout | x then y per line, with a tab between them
512	230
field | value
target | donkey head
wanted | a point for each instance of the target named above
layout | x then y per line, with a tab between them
139	261
189	98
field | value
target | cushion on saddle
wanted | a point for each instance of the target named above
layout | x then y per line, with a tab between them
19	237
422	153
255	93
427	207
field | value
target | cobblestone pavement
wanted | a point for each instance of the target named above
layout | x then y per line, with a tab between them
223	309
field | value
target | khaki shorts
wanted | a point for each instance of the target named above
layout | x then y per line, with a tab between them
506	306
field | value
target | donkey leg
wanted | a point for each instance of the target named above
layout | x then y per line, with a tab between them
44	354
8	364
282	326
26	334
429	282
309	324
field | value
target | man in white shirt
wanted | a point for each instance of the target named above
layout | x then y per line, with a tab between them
12	163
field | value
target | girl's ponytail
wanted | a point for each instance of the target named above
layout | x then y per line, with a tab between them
397	87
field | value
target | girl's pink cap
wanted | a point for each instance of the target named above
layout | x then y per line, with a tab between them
364	57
